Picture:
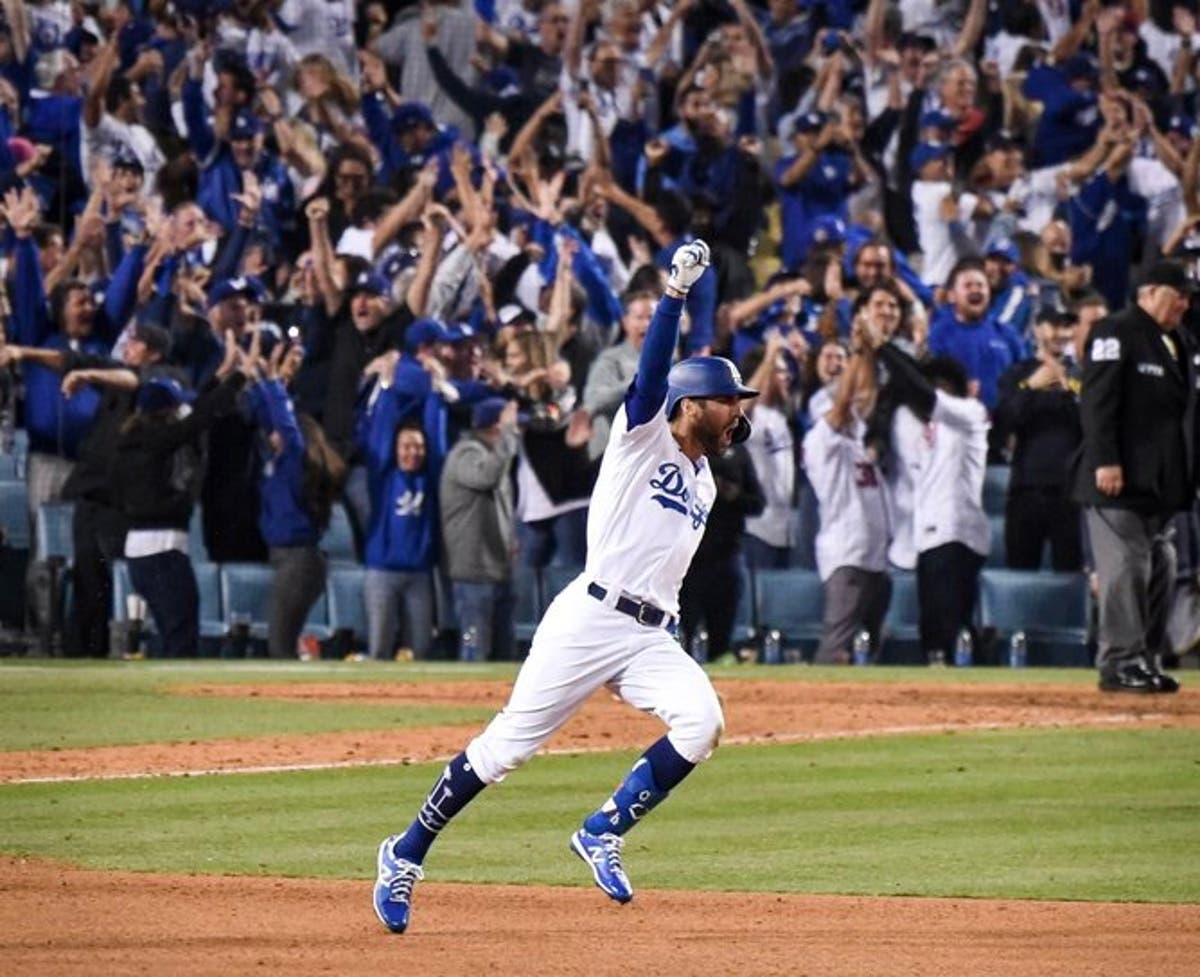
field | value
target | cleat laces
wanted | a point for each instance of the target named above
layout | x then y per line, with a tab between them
400	885
612	845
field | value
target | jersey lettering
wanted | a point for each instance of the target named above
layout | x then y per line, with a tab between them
1106	350
672	493
409	503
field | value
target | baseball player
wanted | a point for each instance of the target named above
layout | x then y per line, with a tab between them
613	625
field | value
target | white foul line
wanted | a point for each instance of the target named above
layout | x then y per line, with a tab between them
907	730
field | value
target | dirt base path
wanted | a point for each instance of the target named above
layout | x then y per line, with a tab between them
754	712
63	921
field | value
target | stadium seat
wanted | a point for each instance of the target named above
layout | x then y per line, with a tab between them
54	539
346	612
338	539
789	601
1051	608
14	515
902	624
996	556
554	581
743	618
995	489
245	596
196	548
527	603
208	581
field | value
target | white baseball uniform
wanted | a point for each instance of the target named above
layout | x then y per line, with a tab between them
853	504
647	516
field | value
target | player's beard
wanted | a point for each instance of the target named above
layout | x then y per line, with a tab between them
714	439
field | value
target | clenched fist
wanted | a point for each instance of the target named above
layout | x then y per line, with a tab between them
687	265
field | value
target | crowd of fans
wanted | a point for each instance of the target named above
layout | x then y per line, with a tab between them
406	255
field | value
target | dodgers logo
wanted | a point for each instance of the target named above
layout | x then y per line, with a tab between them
672	493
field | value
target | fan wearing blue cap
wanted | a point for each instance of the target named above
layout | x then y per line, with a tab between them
813	180
225	156
1070	117
407	138
1012	300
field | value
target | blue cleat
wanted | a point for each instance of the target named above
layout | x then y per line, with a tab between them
393	887
603	856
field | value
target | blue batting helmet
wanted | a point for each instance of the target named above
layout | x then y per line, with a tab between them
704	376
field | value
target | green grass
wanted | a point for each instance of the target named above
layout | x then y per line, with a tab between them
1107	815
65	705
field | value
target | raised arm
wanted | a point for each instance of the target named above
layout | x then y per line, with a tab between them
649	388
93	105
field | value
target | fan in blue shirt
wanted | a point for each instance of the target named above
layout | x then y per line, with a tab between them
965	330
1070	115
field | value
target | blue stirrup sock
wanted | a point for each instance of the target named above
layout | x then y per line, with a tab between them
453	791
646	786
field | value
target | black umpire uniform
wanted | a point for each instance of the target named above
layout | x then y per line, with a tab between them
1138	407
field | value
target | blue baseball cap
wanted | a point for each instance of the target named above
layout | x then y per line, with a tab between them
938	120
161	393
371	282
245	125
1080	66
486	413
1003	247
1181	124
927	152
461	332
247	286
422	332
412	114
827	229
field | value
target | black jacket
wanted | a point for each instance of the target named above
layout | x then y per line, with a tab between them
1046	426
143	464
1138	407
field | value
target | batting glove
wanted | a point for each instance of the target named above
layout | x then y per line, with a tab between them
687	265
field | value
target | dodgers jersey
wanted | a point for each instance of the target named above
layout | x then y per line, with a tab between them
855	527
648	512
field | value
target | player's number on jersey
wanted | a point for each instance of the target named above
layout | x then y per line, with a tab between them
866	475
1106	350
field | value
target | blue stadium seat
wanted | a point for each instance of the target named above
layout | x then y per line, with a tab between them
554	581
743	618
528	603
14	515
196	548
789	601
54	539
208	581
344	589
1051	608
338	539
995	489
996	556
902	624
245	596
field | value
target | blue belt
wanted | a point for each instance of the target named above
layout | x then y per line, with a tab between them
640	611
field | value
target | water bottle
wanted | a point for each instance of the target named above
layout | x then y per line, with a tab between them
964	652
862	647
468	647
772	648
937	658
699	647
1017	651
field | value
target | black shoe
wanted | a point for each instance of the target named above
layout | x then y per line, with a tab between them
1128	678
1163	683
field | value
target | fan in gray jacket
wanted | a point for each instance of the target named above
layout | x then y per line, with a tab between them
479	530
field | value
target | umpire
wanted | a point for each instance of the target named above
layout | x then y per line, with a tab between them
1135	468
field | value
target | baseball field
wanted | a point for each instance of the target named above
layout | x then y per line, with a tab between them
222	818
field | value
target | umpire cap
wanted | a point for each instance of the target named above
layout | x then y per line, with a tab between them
707	376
